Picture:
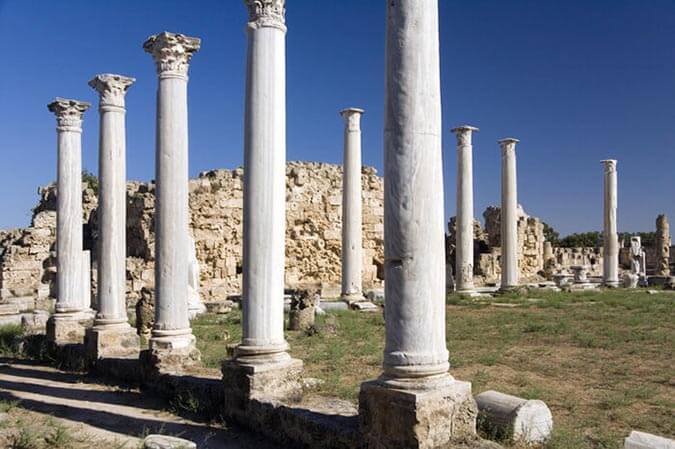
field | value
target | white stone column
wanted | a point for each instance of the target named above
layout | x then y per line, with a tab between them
415	403
112	335
464	215
172	54
610	257
352	239
262	366
264	185
69	301
509	215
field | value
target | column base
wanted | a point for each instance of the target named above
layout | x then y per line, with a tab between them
111	341
351	298
611	284
418	418
510	288
468	292
280	380
68	328
172	351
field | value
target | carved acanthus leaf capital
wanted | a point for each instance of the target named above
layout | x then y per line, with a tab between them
68	112
352	118
111	88
266	13
172	51
508	145
464	134
610	165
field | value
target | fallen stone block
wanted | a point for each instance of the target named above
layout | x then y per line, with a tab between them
510	417
365	306
641	440
167	442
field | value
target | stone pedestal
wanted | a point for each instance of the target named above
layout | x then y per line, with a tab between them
170	353
172	337
111	341
404	419
68	328
271	381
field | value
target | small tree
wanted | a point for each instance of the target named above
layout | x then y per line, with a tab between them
551	234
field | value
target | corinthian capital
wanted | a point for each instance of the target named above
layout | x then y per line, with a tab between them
508	145
111	88
464	134
266	13
352	118
68	113
610	165
172	52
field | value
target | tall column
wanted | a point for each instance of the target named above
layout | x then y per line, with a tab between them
352	240
662	246
171	331
415	403
509	215
263	348
112	335
66	326
610	256
464	219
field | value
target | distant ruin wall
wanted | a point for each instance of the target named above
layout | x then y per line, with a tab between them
313	234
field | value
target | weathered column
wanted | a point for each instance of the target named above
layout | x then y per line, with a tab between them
509	215
68	323
415	403
171	332
662	246
262	353
112	336
352	244
464	215
610	268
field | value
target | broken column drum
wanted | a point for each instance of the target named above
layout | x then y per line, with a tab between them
172	54
509	215
662	246
464	223
352	239
610	275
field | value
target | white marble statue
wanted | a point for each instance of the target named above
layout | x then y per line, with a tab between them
637	256
195	305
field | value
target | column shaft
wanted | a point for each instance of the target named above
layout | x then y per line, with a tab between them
69	204
509	215
610	235
112	207
464	217
413	194
172	54
264	191
352	239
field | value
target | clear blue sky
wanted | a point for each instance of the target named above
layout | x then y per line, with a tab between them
576	81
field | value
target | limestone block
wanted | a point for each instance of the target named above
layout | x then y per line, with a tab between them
115	341
424	419
167	442
641	440
517	419
34	323
276	381
67	328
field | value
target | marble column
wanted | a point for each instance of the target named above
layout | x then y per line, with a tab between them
662	246
171	332
352	239
112	336
415	403
610	256
509	215
464	215
66	325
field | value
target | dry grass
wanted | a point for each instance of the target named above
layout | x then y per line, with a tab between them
603	362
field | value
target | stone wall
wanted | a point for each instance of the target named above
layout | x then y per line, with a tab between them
313	229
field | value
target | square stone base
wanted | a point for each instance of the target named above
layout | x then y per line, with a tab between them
114	341
67	328
416	419
170	355
281	381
